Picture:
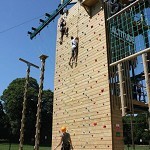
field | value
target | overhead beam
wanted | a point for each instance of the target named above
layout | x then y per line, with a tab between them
131	56
49	19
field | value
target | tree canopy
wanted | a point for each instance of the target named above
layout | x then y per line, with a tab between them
140	126
12	98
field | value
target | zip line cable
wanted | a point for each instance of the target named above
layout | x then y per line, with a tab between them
78	17
8	29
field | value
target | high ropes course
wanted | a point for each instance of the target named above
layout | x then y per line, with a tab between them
103	88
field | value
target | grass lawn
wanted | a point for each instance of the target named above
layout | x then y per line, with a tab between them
5	146
138	147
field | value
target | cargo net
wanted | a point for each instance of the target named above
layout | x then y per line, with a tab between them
129	31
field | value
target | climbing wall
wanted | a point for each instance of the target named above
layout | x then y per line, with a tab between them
81	94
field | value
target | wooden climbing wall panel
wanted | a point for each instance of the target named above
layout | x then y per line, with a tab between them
81	94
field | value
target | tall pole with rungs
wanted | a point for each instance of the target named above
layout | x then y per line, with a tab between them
38	115
147	83
121	89
24	102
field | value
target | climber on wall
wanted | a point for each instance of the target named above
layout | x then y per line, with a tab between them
65	140
139	91
65	12
63	29
74	50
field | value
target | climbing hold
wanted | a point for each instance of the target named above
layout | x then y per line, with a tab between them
104	126
102	90
95	123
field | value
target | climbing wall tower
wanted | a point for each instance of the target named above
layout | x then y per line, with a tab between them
82	94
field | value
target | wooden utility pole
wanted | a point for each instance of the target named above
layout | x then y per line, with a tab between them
38	115
121	89
25	102
147	83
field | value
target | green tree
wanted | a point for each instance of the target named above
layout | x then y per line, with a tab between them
4	123
46	117
13	100
139	126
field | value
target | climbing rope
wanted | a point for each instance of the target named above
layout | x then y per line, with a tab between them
78	17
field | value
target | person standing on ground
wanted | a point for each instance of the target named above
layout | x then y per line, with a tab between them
65	140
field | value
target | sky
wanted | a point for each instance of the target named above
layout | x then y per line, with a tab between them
17	18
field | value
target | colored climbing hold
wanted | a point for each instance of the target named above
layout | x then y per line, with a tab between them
95	123
102	90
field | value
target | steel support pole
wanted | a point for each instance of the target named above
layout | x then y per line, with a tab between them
121	88
147	81
38	115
